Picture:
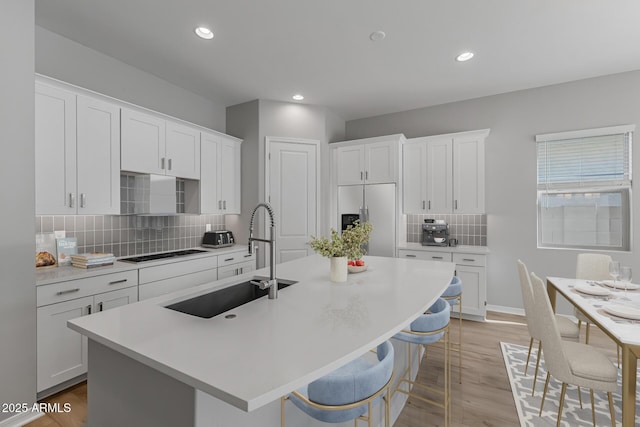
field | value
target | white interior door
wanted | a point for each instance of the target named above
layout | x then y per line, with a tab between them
292	173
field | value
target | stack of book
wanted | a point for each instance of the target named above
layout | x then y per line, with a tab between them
92	259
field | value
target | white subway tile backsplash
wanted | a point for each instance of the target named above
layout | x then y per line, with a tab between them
468	229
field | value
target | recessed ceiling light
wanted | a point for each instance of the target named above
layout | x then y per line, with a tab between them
297	97
464	56
377	35
204	32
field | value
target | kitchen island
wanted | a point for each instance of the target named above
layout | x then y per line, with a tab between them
152	366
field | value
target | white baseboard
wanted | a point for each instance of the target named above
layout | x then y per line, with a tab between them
506	310
21	419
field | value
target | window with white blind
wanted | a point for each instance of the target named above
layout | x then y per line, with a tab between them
584	189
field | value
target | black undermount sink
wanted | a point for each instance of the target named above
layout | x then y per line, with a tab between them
221	300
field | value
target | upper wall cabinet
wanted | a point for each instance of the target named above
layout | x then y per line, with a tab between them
77	145
220	174
367	161
444	174
153	145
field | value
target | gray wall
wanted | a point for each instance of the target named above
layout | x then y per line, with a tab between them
515	118
255	120
66	60
17	246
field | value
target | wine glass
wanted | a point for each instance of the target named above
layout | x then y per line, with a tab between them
625	277
614	271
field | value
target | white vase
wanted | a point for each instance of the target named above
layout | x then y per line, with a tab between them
338	269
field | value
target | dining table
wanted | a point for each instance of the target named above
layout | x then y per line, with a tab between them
617	313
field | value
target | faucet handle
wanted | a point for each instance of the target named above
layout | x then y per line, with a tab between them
262	284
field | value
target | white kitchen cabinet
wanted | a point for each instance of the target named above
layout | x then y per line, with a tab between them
55	150
143	142
220	174
468	173
367	161
470	268
173	276
77	144
61	352
444	174
182	151
98	154
151	144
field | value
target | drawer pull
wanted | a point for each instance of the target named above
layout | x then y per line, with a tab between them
99	306
248	255
115	282
68	291
437	257
469	259
228	259
410	256
89	309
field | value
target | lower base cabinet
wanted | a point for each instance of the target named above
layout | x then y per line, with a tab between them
470	268
236	269
62	352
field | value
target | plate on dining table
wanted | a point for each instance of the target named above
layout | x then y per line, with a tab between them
624	311
593	290
620	285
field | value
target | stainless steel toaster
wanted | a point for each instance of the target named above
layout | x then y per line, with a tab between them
218	239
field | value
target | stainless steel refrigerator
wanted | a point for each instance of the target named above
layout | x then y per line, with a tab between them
375	203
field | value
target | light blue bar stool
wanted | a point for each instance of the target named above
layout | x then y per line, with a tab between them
453	294
349	392
429	328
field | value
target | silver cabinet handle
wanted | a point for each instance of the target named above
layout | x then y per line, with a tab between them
229	259
366	175
99	306
469	259
361	176
248	255
224	204
423	205
237	272
83	200
410	256
436	257
429	204
219	204
72	199
455	205
115	282
169	163
68	291
162	163
89	309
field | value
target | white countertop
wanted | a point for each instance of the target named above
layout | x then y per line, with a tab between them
273	346
465	249
48	275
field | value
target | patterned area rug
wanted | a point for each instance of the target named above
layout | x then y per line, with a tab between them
528	407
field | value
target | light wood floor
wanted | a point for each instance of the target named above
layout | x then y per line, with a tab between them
483	399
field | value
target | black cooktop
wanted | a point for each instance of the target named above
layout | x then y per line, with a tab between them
162	255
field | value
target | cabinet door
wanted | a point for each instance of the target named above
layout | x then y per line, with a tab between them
210	200
414	178
350	165
115	298
229	184
439	177
182	151
98	154
55	151
468	175
61	352
380	161
474	289
143	143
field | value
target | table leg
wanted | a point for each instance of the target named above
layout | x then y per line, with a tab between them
629	366
551	290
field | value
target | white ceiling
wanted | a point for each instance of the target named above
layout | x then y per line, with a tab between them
271	49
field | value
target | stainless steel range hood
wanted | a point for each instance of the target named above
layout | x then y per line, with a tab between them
155	195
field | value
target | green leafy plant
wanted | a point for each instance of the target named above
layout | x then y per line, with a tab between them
349	244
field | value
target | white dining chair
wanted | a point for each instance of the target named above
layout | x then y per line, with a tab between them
567	328
570	362
590	267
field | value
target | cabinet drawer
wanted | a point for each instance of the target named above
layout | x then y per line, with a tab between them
429	255
470	259
175	269
235	258
172	284
72	289
236	269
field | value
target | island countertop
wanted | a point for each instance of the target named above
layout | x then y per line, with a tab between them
273	346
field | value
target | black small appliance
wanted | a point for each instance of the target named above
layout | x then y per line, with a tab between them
435	234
